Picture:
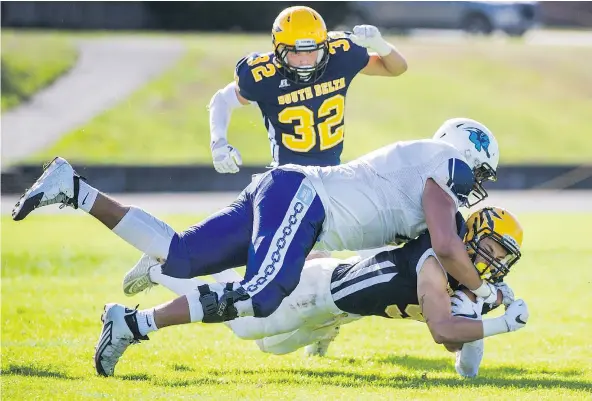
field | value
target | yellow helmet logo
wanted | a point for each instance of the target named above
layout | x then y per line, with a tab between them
500	226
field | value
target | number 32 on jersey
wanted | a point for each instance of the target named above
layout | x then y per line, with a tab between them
331	110
411	311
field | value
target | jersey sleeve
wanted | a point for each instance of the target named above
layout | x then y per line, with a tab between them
354	58
456	178
245	81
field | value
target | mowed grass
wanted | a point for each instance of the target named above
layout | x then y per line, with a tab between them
536	99
58	271
32	61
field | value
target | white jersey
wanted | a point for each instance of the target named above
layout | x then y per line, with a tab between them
377	198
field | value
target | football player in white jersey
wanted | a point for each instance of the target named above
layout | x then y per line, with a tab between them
388	196
407	282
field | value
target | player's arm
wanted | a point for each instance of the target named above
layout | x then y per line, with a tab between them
449	329
226	158
385	60
435	305
221	107
440	211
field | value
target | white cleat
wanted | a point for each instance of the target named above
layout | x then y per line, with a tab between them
138	278
58	184
320	348
120	330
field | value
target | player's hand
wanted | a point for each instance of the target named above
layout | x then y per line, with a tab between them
516	315
226	158
369	36
462	305
488	292
507	293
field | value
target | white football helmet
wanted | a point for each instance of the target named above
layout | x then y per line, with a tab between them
478	146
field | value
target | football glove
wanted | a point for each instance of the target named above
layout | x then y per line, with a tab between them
507	293
488	292
369	36
463	306
516	315
226	158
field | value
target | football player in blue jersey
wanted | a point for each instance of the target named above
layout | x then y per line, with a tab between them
300	88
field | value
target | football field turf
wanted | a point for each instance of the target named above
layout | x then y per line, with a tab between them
59	270
31	61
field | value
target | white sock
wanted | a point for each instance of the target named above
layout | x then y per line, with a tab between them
87	196
494	326
146	322
145	232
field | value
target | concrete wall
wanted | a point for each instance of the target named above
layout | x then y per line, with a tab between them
205	179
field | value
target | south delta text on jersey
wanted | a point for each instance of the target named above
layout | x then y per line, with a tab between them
304	122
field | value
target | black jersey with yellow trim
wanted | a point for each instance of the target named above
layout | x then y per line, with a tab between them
386	284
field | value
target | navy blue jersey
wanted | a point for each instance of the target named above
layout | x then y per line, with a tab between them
386	284
304	122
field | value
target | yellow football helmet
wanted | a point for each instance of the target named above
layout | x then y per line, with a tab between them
300	29
501	226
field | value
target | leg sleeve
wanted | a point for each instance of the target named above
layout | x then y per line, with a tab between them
218	243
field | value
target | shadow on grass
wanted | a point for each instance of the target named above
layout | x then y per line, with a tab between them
422	368
35	371
444	364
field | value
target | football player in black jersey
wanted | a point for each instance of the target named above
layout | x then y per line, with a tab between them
407	282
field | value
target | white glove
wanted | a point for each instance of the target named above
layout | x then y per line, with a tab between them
226	158
369	36
488	292
463	306
507	293
516	315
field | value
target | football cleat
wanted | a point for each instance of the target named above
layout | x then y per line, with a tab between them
320	348
137	279
59	183
120	330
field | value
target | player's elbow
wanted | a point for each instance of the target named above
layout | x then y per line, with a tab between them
402	67
442	332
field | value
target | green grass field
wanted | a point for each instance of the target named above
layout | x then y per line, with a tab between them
536	99
32	61
58	271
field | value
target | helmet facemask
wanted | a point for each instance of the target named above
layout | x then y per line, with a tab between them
493	269
302	74
482	173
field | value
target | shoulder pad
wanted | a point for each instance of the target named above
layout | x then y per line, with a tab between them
251	70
